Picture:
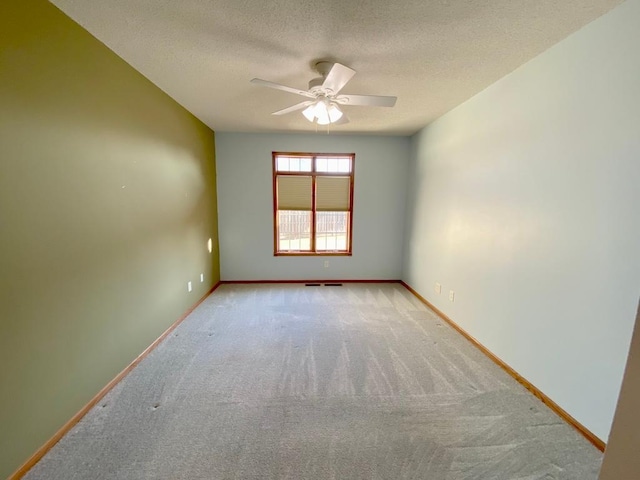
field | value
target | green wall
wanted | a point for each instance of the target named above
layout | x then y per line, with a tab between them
107	200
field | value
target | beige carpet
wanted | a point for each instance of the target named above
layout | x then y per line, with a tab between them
294	382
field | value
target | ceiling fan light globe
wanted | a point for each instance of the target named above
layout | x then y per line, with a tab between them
310	113
335	113
322	113
324	119
321	109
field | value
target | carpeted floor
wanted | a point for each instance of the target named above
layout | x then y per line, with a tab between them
294	382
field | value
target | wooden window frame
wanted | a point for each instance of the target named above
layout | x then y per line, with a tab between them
313	174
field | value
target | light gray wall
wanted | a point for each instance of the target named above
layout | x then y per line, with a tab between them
245	206
524	200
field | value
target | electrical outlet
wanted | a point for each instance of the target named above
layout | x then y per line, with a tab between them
438	288
451	295
201	277
189	288
326	264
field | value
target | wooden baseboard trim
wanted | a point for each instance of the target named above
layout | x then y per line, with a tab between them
41	452
597	442
251	282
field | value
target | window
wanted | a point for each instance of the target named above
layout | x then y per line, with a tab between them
312	203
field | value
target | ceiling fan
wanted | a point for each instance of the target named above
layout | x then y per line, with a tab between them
325	101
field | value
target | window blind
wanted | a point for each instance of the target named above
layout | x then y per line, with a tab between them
294	193
332	194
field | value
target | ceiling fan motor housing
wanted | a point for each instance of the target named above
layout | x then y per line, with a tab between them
315	87
323	68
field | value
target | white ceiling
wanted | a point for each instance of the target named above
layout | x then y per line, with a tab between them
431	54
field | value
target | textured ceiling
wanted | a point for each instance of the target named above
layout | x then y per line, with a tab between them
431	54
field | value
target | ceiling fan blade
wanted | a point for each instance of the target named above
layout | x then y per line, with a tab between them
293	108
366	100
338	77
284	88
